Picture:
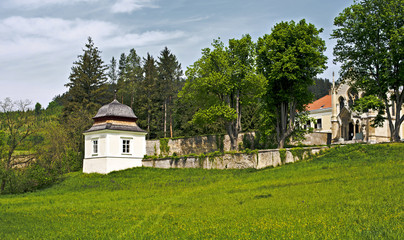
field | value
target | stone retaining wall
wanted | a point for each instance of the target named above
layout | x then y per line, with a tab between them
259	159
194	145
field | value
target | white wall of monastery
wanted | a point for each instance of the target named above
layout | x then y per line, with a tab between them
110	156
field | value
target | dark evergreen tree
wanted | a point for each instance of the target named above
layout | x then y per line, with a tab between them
88	78
121	76
321	87
169	76
112	73
88	91
133	77
149	97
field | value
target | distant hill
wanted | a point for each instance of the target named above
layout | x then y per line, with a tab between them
351	192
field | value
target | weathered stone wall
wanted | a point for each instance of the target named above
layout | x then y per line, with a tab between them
315	138
257	160
195	145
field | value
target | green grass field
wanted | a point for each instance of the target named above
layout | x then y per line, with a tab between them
352	192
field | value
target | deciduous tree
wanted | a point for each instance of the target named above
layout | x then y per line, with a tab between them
290	57
370	46
221	81
17	123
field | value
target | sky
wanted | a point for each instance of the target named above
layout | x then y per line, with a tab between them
40	39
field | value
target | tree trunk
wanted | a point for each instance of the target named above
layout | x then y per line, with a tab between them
3	185
148	125
238	110
285	122
171	119
393	127
232	133
281	143
165	118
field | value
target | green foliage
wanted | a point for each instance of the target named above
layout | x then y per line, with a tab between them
370	43
330	197
150	88
87	82
371	102
298	152
282	155
164	148
220	142
38	109
17	125
170	82
222	113
247	143
320	88
290	57
220	83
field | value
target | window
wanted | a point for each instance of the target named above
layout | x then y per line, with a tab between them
95	146
125	146
307	125
341	103
318	125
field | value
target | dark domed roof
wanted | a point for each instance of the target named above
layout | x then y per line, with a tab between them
115	109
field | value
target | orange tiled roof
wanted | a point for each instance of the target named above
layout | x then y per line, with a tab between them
324	102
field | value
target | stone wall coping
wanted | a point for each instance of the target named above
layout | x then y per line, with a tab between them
237	153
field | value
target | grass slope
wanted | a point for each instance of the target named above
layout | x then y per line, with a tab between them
353	192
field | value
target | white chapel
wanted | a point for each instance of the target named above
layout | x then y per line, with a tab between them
114	142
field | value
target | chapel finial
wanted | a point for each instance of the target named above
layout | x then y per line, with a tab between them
333	81
115	94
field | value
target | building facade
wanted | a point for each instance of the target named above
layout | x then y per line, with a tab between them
114	142
334	114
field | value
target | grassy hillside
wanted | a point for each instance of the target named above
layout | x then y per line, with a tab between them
351	192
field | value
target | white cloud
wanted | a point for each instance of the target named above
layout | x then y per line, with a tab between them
41	3
147	38
127	6
23	37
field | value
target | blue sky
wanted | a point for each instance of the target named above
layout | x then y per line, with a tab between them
40	39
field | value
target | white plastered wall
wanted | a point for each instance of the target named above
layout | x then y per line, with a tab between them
110	156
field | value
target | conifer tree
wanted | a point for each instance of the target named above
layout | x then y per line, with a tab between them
133	76
149	98
88	91
87	86
112	73
169	72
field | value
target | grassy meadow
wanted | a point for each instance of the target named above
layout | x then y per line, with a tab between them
352	192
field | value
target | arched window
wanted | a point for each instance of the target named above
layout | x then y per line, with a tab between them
341	103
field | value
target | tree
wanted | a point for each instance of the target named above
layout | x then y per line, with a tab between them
112	73
290	57
87	86
370	46
88	91
169	73
38	109
320	88
16	125
133	77
149	98
220	82
121	75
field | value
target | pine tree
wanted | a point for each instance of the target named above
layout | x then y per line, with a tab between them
112	73
87	86
133	76
149	98
169	71
88	91
121	76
